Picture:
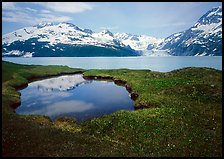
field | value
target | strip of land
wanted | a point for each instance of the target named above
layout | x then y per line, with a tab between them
181	115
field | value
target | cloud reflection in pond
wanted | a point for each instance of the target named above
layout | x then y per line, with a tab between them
63	107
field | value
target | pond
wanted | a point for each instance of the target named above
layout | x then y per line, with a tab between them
73	96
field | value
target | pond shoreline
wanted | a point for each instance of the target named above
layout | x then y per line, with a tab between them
119	82
61	96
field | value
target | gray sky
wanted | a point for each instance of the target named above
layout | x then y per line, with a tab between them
158	19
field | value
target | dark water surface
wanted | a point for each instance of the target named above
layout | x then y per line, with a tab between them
73	96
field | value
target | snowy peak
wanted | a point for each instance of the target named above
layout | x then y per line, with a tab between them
106	32
88	31
212	16
122	36
210	23
65	33
66	25
43	24
139	42
202	39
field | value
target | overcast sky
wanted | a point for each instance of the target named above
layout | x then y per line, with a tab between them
158	19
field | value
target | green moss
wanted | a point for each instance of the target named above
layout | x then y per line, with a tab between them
182	117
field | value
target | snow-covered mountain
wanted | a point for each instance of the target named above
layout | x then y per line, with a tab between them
202	39
63	39
142	43
66	39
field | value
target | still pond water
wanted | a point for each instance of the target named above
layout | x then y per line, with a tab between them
161	64
73	96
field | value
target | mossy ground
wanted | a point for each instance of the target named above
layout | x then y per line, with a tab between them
182	116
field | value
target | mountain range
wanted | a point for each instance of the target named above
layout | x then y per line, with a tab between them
204	38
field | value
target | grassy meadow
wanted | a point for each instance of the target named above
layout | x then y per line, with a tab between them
180	115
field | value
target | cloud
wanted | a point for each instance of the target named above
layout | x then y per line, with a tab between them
13	13
63	107
30	9
27	15
8	5
53	18
66	7
23	17
45	11
16	17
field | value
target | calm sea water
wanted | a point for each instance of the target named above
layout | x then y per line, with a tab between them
73	96
161	64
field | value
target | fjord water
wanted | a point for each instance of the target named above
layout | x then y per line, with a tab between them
161	64
73	96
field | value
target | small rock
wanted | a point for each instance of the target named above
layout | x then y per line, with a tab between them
134	96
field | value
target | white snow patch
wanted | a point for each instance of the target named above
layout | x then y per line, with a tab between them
14	52
28	54
202	54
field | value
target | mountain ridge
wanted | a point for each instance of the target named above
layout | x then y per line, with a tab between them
66	39
204	38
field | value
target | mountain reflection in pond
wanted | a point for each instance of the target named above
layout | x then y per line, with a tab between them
73	96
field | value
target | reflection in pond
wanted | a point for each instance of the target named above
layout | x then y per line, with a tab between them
73	96
59	83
